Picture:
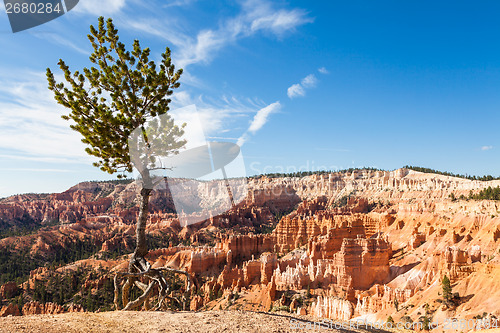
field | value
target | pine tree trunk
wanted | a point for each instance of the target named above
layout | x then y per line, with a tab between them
141	247
140	271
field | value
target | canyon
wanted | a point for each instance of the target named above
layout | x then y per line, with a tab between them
362	244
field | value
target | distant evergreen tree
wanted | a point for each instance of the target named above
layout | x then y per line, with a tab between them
446	286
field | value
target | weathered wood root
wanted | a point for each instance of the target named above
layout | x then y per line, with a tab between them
156	278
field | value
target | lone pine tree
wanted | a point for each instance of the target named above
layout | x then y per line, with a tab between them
446	285
123	91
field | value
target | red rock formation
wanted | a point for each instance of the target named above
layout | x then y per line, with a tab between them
206	259
194	260
42	308
455	263
332	307
9	310
196	303
363	261
254	271
358	263
243	247
269	295
475	253
8	290
75	308
417	239
380	298
280	196
296	230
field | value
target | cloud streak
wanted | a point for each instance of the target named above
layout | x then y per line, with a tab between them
484	148
323	70
30	122
255	16
299	89
259	120
31	128
295	90
216	114
262	116
309	82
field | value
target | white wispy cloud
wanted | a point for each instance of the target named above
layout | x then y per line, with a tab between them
309	81
299	89
203	48
98	7
255	16
262	116
323	70
259	120
211	117
486	148
30	123
33	135
156	27
262	17
30	120
295	90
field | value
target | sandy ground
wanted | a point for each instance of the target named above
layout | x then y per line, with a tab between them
182	322
132	321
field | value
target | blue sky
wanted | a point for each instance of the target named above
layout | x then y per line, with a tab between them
300	84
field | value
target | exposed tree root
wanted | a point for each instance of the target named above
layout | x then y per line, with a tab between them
148	280
140	275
